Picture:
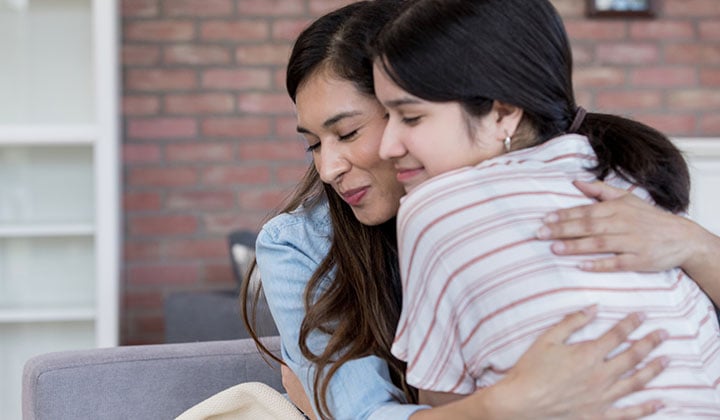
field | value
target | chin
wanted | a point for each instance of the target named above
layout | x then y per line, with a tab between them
372	219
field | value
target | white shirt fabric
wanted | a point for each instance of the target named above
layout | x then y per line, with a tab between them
478	288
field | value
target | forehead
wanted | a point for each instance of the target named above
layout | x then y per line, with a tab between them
324	95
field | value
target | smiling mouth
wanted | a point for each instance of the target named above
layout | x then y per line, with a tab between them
404	176
354	197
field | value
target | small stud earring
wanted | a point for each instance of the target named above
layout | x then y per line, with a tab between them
508	143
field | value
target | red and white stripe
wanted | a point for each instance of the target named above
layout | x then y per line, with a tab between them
478	288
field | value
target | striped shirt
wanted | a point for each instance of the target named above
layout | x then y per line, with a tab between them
478	288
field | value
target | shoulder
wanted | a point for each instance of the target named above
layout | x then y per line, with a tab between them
305	221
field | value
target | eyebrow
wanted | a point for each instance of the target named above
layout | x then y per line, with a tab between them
400	102
331	121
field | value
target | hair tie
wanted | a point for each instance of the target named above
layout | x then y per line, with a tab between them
578	120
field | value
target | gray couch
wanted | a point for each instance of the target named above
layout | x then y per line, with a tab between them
140	382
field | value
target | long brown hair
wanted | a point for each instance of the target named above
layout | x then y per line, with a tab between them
359	309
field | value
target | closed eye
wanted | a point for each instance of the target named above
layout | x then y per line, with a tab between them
313	147
348	136
410	120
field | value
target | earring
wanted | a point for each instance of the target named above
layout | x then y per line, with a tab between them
508	143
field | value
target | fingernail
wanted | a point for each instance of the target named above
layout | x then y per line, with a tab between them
664	335
558	247
658	405
590	310
586	265
543	233
640	316
551	218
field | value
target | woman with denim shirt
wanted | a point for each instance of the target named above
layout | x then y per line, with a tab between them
334	293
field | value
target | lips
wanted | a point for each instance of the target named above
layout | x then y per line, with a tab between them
406	175
354	196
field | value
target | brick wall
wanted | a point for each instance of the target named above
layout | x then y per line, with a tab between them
209	143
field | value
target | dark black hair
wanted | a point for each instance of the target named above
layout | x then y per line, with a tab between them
517	52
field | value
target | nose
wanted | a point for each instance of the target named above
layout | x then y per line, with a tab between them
331	163
390	144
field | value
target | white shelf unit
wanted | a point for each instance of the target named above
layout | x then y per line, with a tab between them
703	157
59	182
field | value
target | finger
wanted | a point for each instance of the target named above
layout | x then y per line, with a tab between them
623	262
581	226
596	244
599	190
638	380
636	353
560	332
619	333
634	411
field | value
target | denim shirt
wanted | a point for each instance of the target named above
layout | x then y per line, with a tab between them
289	248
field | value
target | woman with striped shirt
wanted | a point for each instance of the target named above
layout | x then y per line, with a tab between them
487	139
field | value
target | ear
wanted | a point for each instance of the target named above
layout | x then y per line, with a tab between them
508	117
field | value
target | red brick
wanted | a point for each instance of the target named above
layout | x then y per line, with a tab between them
224	223
235	175
320	7
633	100
289	29
200	152
568	8
710	77
236	127
270	7
158	31
198	55
142	300
286	127
272	150
162	177
160	80
193	8
263	54
165	273
598	76
218	273
279	80
265	103
141	201
139	8
710	31
261	199
140	105
200	200
664	77
199	103
162	128
627	53
140	55
141	153
291	174
197	248
582	54
699	8
585	98
694	99
241	30
151	325
693	53
236	79
710	124
142	251
596	30
165	225
670	124
662	30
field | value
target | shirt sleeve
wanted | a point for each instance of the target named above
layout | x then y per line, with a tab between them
360	389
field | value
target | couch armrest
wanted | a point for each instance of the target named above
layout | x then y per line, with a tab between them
140	382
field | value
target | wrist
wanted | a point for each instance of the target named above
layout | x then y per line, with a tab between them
704	247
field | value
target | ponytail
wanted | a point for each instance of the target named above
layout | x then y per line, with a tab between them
640	155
